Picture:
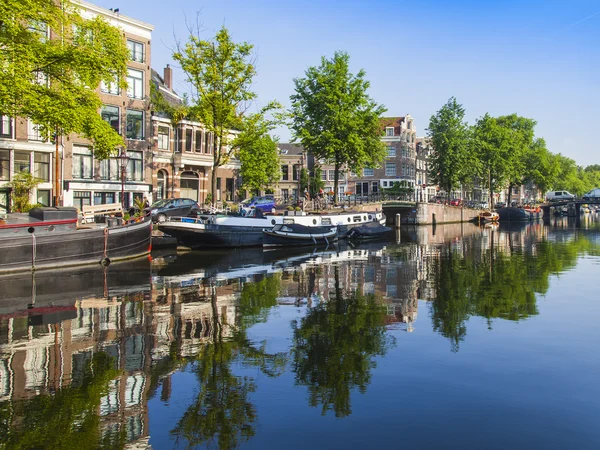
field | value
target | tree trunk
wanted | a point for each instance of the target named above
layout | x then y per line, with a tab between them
213	177
510	186
335	183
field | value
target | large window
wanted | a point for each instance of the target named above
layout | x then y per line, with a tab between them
207	142
284	172
391	152
135	124
163	138
33	132
111	115
136	50
41	166
43	197
22	162
161	184
110	88
135	166
368	172
390	169
6	127
331	175
82	162
109	169
4	164
81	198
104	198
135	83
188	139
198	141
295	172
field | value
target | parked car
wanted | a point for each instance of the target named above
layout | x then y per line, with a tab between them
172	207
557	196
456	202
594	194
265	203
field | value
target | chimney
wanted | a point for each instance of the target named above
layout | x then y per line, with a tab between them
168	78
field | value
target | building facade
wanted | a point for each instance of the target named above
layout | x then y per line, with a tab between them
182	155
399	137
424	187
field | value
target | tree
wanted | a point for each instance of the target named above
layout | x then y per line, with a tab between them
54	81
21	185
451	161
541	167
335	119
220	74
316	182
257	151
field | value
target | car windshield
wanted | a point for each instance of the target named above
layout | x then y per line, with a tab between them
160	203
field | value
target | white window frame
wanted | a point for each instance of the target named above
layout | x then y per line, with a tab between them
135	84
133	53
389	131
143	125
111	88
162	138
388	167
368	172
86	152
7	123
33	132
118	130
391	151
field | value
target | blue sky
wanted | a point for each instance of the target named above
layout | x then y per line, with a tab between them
539	59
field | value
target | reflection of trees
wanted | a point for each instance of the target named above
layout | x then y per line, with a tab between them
65	420
503	286
222	415
334	346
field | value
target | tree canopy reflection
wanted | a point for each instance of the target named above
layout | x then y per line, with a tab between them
496	284
335	345
222	415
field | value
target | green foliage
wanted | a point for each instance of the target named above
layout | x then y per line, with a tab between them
335	119
335	345
21	185
221	74
399	188
316	182
80	55
257	151
305	181
208	199
451	161
64	420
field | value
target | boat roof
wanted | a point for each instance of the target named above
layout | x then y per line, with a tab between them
19	220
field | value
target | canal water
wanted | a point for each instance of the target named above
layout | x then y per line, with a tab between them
447	337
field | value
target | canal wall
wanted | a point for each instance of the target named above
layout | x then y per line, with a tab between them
429	213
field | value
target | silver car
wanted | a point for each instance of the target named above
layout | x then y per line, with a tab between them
594	194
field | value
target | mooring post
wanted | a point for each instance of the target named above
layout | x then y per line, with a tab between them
398	221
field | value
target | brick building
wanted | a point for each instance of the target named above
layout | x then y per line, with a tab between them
399	137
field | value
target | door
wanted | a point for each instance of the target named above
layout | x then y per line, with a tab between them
190	185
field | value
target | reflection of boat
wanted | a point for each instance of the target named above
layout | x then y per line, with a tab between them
368	231
488	216
232	231
520	214
49	289
49	238
295	234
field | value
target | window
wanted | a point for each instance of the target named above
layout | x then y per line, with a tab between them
331	175
135	169
41	78
111	115
33	132
110	88
389	131
368	172
81	198
384	183
104	198
6	126
207	142
284	173
285	194
22	162
136	50
391	152
109	169
43	197
40	28
161	183
135	124
324	175
163	138
295	172
188	139
135	83
390	169
41	166
4	164
82	162
198	141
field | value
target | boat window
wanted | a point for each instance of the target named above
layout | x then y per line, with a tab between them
326	221
288	221
356	218
287	229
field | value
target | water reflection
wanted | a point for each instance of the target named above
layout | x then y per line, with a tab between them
83	353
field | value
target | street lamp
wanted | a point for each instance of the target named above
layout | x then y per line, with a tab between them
124	159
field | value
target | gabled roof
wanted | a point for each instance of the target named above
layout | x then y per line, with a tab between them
391	121
290	149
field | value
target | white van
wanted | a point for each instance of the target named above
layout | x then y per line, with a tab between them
557	196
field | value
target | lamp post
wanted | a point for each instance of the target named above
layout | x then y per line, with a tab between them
123	158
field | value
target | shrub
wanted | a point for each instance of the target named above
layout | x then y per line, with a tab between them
298	208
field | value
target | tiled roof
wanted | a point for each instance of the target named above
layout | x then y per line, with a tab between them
290	149
391	121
